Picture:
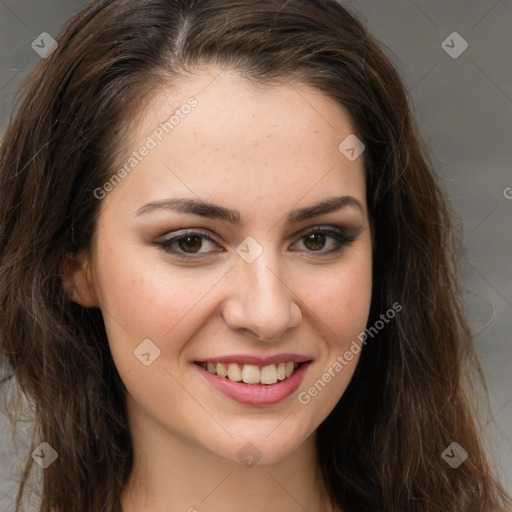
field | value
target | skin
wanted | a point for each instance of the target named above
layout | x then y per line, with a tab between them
263	152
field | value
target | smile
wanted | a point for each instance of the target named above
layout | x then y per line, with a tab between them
250	373
255	381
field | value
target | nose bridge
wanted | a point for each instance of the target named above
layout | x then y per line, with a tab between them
264	281
260	300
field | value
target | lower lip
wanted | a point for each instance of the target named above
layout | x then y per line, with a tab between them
256	394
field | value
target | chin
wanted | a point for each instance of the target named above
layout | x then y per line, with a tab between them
255	445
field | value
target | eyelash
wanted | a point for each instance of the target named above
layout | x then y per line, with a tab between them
341	237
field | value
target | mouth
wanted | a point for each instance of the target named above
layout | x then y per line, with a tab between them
252	374
255	381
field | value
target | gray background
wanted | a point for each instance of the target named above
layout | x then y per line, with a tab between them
464	110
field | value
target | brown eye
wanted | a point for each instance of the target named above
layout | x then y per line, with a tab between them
190	243
326	240
314	241
187	244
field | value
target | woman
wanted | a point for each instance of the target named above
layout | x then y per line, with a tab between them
226	276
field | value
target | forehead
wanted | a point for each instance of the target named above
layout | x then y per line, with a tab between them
214	135
227	101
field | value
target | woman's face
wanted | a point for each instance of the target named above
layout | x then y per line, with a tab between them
261	278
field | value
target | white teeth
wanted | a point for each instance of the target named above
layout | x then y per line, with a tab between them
281	371
234	372
251	373
269	374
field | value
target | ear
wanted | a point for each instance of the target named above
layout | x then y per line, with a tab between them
77	280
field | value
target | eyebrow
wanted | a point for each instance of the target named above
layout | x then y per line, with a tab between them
213	211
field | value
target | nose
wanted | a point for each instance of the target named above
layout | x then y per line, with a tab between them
261	303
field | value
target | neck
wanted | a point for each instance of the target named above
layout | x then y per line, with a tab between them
174	474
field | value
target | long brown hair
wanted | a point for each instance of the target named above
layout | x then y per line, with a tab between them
411	394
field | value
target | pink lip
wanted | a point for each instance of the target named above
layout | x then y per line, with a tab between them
258	361
256	394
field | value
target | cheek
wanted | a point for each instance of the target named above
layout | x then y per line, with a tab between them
342	300
341	307
146	298
142	287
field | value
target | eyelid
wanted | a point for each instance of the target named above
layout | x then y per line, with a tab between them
188	231
341	234
182	233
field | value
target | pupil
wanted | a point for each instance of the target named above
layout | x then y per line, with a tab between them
188	243
318	237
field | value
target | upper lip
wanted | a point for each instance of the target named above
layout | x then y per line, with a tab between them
256	360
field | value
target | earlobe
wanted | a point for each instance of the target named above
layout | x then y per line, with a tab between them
77	280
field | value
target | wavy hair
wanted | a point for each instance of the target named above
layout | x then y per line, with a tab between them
412	393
